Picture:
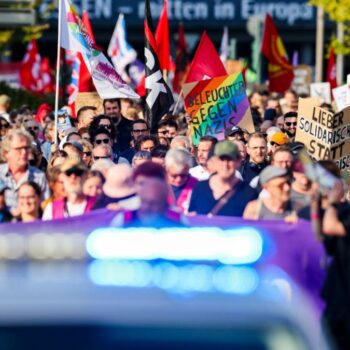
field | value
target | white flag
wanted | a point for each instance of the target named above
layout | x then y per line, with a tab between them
74	37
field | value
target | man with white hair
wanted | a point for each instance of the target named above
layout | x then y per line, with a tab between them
16	149
177	166
181	142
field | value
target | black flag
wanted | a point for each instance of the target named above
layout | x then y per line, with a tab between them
159	98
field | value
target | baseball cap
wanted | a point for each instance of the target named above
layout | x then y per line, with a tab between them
271	172
280	138
228	149
234	130
3	187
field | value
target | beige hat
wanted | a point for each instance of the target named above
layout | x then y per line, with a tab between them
73	162
119	181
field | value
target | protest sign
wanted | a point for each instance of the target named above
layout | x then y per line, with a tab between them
302	79
324	134
89	99
217	104
321	91
340	95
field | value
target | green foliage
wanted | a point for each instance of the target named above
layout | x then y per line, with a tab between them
21	97
339	12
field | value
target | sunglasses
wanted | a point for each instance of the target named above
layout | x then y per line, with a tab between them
33	128
290	123
274	143
163	132
76	171
4	125
140	131
99	142
104	157
87	154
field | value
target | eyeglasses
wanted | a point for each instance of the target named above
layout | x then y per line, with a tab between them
99	142
290	123
104	157
76	171
23	148
87	154
274	143
139	131
33	128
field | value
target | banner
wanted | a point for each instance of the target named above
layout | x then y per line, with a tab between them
324	134
215	105
281	242
89	99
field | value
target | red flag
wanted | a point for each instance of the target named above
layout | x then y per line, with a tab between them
332	69
162	38
206	63
29	72
181	60
280	70
47	81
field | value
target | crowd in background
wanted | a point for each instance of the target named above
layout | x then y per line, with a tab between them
157	177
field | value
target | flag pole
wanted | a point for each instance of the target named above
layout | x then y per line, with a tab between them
58	71
177	102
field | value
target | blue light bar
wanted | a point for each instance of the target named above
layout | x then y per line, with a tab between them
173	278
242	245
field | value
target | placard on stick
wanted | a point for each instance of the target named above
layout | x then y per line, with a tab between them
89	99
325	135
216	105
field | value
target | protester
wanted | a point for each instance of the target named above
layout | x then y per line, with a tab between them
29	199
5	103
277	204
87	152
282	157
234	133
177	166
5	215
154	208
140	157
223	193
76	202
256	160
85	115
4	127
146	143
290	125
93	182
119	191
201	171
16	147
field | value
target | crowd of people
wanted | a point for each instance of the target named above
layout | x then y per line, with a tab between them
99	160
158	177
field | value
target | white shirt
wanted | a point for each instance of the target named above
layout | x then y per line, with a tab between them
72	210
201	174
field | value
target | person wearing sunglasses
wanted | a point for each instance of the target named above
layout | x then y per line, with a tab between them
33	127
290	125
76	202
104	151
139	129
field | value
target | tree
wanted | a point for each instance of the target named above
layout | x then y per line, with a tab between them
339	12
